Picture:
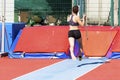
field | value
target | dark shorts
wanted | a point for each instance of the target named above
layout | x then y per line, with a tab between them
75	34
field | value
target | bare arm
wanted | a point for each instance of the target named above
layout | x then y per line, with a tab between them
81	23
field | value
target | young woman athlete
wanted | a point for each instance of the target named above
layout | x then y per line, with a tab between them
74	32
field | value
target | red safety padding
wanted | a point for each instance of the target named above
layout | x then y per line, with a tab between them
97	40
97	28
43	39
116	42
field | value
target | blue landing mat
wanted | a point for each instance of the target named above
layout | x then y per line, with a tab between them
115	55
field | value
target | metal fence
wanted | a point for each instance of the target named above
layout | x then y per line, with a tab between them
98	12
37	11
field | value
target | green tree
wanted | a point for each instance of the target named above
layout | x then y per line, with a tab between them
35	6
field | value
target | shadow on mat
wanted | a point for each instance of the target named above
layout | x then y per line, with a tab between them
92	63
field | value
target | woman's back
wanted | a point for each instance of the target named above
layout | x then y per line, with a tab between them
72	22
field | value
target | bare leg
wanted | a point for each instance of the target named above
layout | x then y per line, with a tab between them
71	42
81	47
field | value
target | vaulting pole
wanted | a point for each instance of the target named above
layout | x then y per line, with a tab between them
3	28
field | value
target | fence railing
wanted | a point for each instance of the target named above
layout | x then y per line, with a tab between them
98	12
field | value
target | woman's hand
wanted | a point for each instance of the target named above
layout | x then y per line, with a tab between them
84	17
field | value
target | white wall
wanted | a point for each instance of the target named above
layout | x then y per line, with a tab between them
115	12
9	7
97	12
